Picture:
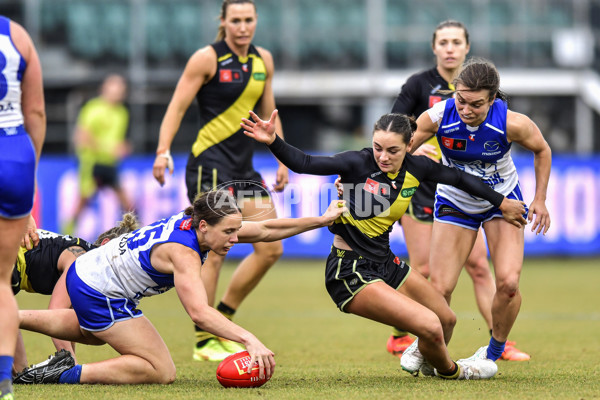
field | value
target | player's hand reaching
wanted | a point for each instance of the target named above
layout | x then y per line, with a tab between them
163	161
339	186
542	217
513	211
282	178
31	237
263	356
335	209
259	130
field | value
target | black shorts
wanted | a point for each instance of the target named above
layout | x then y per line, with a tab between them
105	175
420	212
347	273
204	178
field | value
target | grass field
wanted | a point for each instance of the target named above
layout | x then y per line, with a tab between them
324	354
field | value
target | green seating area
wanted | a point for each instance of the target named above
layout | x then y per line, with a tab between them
304	34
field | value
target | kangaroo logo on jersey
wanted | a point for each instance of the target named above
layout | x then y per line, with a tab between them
230	76
454	144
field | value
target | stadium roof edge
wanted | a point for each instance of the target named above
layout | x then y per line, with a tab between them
544	82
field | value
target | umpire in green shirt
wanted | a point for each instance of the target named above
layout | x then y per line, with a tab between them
100	144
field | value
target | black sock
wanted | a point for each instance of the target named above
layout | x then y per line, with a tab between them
453	374
226	310
202	337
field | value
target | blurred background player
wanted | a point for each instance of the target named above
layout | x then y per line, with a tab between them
450	45
22	132
100	145
228	78
476	130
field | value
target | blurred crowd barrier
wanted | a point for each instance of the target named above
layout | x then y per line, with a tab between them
573	198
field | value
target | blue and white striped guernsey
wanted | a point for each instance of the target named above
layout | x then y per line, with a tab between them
121	268
483	151
12	66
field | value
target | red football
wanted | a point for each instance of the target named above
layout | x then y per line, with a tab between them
233	372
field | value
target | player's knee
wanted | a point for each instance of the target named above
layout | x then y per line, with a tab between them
429	328
478	269
443	289
508	286
166	375
422	268
447	318
432	332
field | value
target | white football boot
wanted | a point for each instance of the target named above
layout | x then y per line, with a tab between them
478	366
412	359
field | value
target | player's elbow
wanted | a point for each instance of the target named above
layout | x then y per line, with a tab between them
201	316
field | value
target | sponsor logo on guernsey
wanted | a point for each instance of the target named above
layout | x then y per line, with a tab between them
397	260
259	76
373	175
228	61
230	76
454	144
434	99
340	253
472	137
492	148
186	224
353	282
371	186
408	192
245	67
7	107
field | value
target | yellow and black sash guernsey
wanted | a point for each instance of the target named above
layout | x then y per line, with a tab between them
235	89
376	199
36	270
420	92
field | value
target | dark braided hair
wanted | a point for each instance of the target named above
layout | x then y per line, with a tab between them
398	123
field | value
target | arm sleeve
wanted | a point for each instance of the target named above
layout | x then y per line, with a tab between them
469	183
300	162
406	100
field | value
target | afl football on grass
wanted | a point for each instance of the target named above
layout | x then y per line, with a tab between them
233	372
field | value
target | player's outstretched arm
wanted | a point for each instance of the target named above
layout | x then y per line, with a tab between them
259	130
281	228
185	264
